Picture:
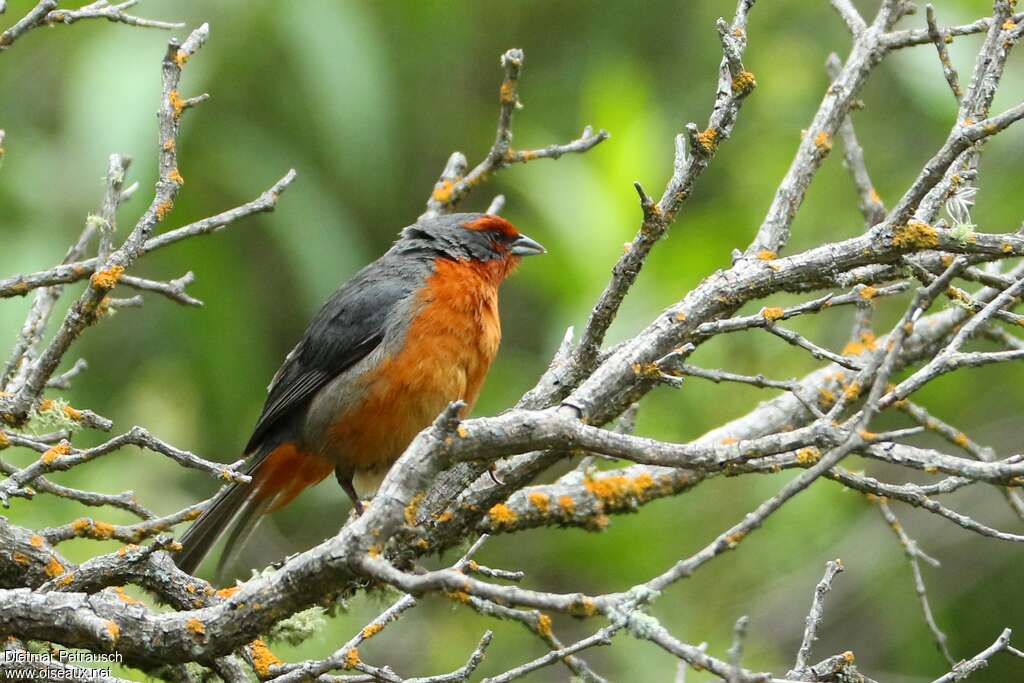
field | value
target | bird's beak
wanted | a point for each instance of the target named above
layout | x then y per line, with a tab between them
524	246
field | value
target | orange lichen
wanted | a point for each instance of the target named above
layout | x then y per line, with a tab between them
177	104
848	656
113	630
445	516
20	558
4	441
743	82
539	500
175	177
873	196
53	567
1007	248
163	209
459	596
915	234
46	405
507	92
37	541
262	658
823	141
708	139
825	397
1008	25
866	435
567	504
960	439
728	440
443	192
351	659
772	313
585	607
63	448
544	625
73	414
412	508
101	530
766	255
680	316
180	57
502	515
124	597
370	630
867	342
462	432
734	539
195	626
852	390
169	145
225	593
107	278
867	293
808	455
618	489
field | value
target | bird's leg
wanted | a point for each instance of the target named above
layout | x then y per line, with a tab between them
345	479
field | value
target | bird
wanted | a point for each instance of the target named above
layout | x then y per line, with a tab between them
407	335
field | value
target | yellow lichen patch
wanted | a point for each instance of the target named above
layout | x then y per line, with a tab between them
502	515
370	630
915	234
866	435
195	626
960	439
772	312
66	579
63	448
852	390
169	145
867	342
412	508
680	316
46	405
225	593
175	547
539	500
507	92
445	516
107	278
848	656
823	141
825	397
351	659
53	567
37	541
163	209
262	658
1007	248
1008	25
175	177
808	455
373	551
4	441
20	558
567	504
459	596
867	293
734	539
462	432
177	104
113	630
766	255
124	597
728	440
873	196
618	489
180	57
73	414
585	607
743	82
190	588
80	525
544	625
708	139
443	192
101	530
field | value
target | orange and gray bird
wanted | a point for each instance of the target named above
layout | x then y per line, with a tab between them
410	333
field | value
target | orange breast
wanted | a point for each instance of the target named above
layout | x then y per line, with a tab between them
448	349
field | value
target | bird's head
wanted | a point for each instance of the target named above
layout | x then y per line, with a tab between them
480	237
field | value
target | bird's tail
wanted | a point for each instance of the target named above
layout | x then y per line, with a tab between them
278	475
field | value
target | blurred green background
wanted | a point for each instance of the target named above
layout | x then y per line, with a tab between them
367	100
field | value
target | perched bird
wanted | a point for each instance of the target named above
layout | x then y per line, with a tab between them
411	332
